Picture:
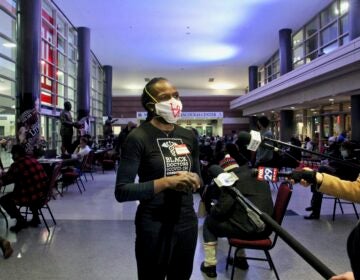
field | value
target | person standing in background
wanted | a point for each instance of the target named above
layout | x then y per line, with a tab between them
66	129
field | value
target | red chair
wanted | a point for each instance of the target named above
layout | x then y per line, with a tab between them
281	204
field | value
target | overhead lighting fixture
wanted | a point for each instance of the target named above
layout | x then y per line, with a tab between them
9	45
211	80
292	108
222	86
273	112
312	109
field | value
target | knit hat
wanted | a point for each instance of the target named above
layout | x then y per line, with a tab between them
228	163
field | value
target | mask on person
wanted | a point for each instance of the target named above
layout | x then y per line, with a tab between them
169	110
344	153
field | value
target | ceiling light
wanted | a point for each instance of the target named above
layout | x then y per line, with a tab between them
212	52
9	45
272	111
222	86
312	109
292	108
331	99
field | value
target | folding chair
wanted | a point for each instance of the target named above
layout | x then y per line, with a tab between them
281	203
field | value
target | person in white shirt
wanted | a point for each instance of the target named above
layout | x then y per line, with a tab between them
81	150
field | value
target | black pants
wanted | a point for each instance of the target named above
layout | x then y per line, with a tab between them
165	253
67	143
8	203
317	197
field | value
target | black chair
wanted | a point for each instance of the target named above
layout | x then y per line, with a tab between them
49	194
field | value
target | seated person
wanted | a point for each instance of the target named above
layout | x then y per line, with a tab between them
81	150
227	217
30	187
338	169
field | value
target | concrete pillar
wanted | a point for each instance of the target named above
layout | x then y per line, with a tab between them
287	125
285	51
28	73
84	66
355	117
107	90
354	19
253	77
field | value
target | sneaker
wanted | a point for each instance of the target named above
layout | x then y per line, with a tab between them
210	271
240	263
19	226
6	249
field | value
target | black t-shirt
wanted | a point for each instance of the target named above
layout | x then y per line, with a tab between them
152	154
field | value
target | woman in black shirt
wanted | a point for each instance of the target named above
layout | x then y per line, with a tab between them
166	158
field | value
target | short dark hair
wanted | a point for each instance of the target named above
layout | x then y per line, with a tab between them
145	98
84	139
18	149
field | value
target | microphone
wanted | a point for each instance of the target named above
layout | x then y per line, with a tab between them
271	174
254	140
221	177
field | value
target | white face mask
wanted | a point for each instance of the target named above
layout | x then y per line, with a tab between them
169	110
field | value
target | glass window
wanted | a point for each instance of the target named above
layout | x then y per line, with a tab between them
72	53
70	94
72	68
344	6
298	53
330	48
60	24
61	61
344	24
7	68
8	48
60	76
344	40
298	38
298	63
72	37
311	28
329	34
7	87
9	5
329	14
60	90
47	12
311	45
7	26
61	43
71	82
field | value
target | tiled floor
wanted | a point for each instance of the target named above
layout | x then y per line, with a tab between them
94	239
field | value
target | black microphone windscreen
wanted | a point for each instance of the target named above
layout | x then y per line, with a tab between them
243	138
215	170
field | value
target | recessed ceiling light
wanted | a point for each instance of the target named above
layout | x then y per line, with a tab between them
312	109
292	108
211	80
331	99
272	111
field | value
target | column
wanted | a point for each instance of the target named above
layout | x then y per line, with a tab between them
321	130
285	51
354	19
355	117
342	118
287	127
28	73
107	90
305	123
84	66
28	54
253	77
